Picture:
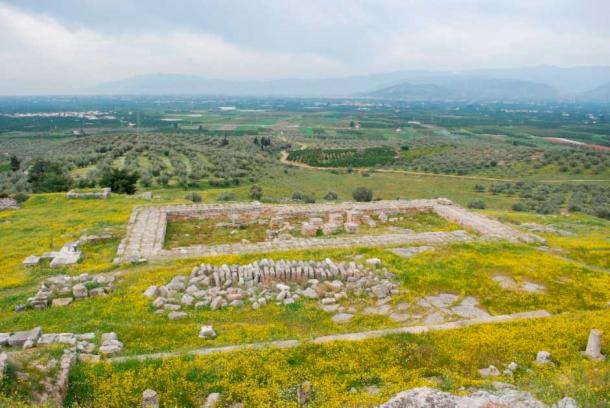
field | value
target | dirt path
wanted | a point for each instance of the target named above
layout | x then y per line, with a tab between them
535	314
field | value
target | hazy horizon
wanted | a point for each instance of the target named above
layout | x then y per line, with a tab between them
67	46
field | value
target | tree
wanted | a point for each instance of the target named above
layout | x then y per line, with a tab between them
15	163
120	181
362	194
256	192
352	124
48	177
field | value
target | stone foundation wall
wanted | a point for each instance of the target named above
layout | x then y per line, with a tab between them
147	226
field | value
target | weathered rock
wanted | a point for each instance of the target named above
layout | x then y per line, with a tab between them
594	345
310	293
61	302
543	357
432	398
151	291
342	317
79	291
212	400
375	262
19	338
207	332
149	399
566	402
31	260
490	371
175	315
381	291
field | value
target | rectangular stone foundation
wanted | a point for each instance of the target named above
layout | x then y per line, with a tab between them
147	226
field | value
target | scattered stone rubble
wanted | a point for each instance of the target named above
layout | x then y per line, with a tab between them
61	290
104	193
69	254
504	397
147	225
8	204
81	343
261	282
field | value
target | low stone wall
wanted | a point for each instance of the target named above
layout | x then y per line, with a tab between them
103	194
8	204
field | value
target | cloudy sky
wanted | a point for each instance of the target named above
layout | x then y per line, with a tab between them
62	46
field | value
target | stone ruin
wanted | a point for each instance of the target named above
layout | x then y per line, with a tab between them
69	254
8	204
79	346
265	281
61	290
504	396
82	343
147	227
103	194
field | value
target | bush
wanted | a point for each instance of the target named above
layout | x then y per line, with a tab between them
297	195
479	188
256	192
120	181
309	198
519	207
21	197
331	196
193	196
478	204
362	194
226	196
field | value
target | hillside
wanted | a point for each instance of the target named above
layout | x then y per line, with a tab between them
469	89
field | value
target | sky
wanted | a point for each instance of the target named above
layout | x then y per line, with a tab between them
65	46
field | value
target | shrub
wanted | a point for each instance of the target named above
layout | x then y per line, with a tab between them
226	196
256	192
193	196
297	195
519	207
478	204
21	197
331	196
362	194
309	198
479	188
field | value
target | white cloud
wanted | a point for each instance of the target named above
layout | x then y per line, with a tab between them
40	54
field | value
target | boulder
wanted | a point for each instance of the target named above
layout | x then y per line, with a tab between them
212	400
381	291
376	262
310	293
342	317
543	357
207	332
61	302
490	371
151	291
109	347
19	338
175	315
149	399
80	291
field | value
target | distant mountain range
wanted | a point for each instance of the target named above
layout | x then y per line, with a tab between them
542	83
